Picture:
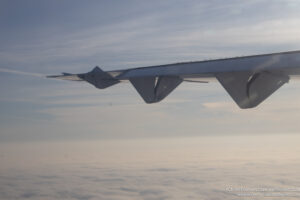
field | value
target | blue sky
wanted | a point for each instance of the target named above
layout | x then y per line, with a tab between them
48	37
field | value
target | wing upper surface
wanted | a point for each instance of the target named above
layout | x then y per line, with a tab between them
249	80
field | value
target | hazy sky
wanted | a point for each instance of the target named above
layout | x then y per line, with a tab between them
68	140
48	37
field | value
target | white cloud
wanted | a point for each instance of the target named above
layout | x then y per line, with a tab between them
217	105
21	72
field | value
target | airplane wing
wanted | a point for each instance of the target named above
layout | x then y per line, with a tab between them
249	80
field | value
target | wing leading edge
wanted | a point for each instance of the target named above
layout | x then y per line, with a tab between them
249	80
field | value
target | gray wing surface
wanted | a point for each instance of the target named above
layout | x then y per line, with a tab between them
248	80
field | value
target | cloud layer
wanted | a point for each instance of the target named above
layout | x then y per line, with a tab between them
234	167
